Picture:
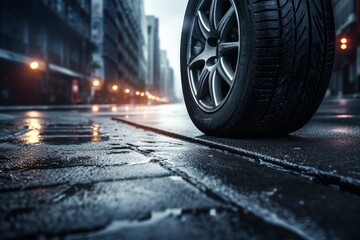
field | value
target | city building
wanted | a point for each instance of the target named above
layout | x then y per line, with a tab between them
153	57
346	75
118	30
166	85
170	87
45	51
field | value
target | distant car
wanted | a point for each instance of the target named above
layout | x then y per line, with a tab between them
255	68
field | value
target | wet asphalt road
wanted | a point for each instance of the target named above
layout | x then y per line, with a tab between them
140	172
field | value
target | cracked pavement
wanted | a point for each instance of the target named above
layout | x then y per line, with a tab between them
74	174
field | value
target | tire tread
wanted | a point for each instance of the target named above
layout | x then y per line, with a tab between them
293	56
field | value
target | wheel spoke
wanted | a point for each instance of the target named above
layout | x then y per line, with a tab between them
214	14
197	60
226	20
214	88
226	71
213	53
228	48
204	24
204	76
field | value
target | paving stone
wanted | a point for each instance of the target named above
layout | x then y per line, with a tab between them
88	207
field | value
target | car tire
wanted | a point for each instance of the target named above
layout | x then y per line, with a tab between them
255	68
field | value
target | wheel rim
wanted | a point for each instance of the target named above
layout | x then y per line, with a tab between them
213	53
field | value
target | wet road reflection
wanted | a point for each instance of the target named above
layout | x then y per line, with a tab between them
342	130
96	133
33	135
329	143
136	169
39	131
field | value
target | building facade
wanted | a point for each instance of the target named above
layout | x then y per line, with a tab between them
55	37
346	75
153	83
119	33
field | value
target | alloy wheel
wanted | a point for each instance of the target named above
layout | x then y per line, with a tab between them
213	53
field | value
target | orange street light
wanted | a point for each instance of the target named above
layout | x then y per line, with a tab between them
344	43
34	65
137	93
127	91
142	94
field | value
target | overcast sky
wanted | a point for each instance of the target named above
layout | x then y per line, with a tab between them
170	14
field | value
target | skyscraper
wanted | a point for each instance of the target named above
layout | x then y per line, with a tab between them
118	30
166	86
153	80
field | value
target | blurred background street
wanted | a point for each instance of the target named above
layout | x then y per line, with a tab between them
78	52
120	52
96	143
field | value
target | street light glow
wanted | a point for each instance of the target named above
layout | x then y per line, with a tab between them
34	65
142	94
127	91
344	43
115	87
95	108
96	133
137	93
96	83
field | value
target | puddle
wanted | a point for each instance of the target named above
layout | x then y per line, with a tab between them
139	163
66	133
69	126
116	225
33	131
68	140
176	178
148	220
